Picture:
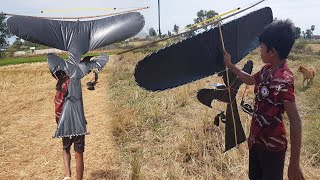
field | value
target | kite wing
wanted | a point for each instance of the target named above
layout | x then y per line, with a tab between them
234	81
206	96
56	63
76	37
234	133
201	55
98	62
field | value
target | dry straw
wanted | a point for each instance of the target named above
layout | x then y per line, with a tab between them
134	134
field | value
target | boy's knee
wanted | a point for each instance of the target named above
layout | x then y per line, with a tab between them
67	150
78	155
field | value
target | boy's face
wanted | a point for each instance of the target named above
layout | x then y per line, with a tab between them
265	55
268	56
61	76
64	76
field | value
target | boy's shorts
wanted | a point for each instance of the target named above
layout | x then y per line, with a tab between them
78	143
265	164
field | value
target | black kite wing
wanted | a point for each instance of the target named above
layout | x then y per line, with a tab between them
201	55
206	96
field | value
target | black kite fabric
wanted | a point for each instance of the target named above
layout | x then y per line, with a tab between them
232	123
201	55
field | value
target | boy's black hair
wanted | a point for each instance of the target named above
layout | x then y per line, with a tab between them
58	74
280	36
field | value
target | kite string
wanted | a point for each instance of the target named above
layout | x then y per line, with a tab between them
234	124
83	17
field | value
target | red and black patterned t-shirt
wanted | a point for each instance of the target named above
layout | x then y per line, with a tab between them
271	91
59	100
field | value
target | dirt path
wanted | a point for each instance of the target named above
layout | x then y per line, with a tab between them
27	124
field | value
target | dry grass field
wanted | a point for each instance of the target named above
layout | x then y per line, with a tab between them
135	134
315	47
169	135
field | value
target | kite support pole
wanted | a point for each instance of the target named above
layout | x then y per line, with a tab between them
230	102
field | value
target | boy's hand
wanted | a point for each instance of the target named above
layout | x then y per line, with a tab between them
58	87
227	59
294	172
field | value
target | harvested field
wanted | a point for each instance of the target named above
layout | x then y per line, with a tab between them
27	124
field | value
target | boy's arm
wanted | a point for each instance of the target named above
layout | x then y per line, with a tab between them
243	76
294	170
59	85
60	88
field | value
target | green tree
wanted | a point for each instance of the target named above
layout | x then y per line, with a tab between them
308	33
30	44
152	32
297	32
37	46
17	43
4	33
14	47
211	14
176	29
203	16
312	27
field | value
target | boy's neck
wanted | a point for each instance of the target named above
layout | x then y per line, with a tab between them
277	63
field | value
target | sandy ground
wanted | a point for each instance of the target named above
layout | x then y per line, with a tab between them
27	124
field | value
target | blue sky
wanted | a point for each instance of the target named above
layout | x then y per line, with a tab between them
303	13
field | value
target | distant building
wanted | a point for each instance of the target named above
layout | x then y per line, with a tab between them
316	37
32	51
24	47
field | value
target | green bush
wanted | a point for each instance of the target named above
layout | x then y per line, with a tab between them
7	60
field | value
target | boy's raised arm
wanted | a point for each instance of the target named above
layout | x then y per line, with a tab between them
243	76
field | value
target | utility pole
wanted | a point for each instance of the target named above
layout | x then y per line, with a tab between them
159	17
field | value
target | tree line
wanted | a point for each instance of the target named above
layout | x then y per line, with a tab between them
201	16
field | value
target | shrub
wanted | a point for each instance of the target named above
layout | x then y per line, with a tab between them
300	45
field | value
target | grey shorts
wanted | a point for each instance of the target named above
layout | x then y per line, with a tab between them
77	141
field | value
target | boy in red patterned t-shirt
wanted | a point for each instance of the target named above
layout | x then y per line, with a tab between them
274	94
77	141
